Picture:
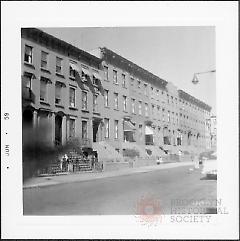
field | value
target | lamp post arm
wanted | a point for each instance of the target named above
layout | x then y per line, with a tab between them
210	71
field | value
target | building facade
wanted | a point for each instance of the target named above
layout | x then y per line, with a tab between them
157	112
213	131
60	89
101	96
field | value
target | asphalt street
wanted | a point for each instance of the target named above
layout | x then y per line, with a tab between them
120	195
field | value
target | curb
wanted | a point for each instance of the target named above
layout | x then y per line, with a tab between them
111	174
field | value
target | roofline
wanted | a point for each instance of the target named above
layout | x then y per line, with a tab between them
131	66
25	31
194	100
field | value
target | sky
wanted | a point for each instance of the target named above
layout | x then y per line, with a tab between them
172	53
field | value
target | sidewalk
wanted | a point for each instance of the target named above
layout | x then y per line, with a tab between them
79	177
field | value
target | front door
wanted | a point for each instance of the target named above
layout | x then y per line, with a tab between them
58	130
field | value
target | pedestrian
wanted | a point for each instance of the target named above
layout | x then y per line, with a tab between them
93	161
67	161
61	160
196	161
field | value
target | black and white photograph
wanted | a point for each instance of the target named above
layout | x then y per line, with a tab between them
103	128
120	125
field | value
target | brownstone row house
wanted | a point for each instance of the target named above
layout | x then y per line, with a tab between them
101	97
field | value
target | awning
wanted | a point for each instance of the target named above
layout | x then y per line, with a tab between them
75	67
86	72
128	126
148	130
60	83
97	76
100	87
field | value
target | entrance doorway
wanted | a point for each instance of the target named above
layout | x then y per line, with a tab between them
27	120
97	130
58	130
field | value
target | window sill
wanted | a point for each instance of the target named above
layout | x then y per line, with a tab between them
44	103
72	85
60	75
59	106
87	111
107	107
107	80
72	108
45	70
96	112
116	109
125	111
115	83
29	65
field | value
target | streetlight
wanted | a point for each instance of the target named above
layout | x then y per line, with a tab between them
195	78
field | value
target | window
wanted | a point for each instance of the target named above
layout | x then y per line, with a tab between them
139	84
124	80
133	106
145	89
106	124
84	100
116	101
58	90
94	103
125	103
28	54
105	72
158	111
58	65
71	128
140	127
146	109
168	116
43	89
95	81
115	79
27	80
153	110
116	129
157	92
132	81
26	84
106	98
140	107
72	97
84	129
44	60
72	72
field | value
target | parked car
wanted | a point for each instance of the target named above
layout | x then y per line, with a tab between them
210	165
